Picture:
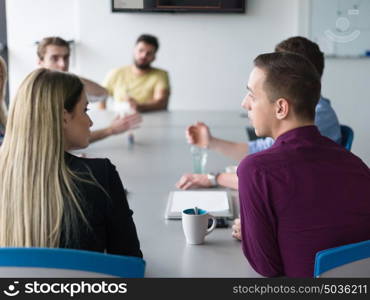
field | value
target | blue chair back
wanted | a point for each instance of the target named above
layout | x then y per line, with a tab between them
75	260
351	260
347	136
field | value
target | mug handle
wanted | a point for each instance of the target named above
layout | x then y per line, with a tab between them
210	229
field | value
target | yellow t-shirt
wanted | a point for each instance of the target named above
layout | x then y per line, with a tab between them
121	83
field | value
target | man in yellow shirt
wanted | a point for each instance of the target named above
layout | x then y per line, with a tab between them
144	87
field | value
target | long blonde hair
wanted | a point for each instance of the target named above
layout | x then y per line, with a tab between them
3	80
38	199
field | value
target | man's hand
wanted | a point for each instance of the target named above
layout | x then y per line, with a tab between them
122	124
237	230
132	102
199	135
193	181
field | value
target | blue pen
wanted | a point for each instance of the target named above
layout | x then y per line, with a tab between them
195	210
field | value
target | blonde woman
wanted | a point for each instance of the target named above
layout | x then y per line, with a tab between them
48	197
3	78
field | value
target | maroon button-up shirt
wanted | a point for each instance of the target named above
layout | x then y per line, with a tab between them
302	195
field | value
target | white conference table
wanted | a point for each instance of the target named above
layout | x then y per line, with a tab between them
149	170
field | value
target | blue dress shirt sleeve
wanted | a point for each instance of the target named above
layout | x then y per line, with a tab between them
260	144
326	121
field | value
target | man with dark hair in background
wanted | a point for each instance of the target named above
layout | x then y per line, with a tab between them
145	88
305	193
54	53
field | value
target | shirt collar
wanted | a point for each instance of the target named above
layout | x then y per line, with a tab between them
305	132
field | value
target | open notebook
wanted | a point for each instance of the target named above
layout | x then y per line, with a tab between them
218	203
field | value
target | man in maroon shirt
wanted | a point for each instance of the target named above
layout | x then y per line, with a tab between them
305	193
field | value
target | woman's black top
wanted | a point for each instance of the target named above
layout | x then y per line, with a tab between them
111	228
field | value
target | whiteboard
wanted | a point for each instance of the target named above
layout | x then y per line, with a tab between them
341	27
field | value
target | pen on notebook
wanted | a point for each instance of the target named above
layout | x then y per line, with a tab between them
195	210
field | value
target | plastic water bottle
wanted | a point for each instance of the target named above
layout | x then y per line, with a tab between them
199	156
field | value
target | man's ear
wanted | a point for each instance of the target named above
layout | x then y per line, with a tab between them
282	108
39	62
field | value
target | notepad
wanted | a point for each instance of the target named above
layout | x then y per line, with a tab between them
218	203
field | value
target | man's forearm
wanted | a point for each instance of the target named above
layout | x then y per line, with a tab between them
94	89
229	180
152	105
234	150
97	135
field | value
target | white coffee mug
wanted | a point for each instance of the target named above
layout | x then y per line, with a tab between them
195	226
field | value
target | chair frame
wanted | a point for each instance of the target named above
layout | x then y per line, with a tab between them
70	259
347	136
339	256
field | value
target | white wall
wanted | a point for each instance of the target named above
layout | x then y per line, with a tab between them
30	21
208	56
347	83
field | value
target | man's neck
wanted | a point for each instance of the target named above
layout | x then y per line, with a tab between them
138	71
287	126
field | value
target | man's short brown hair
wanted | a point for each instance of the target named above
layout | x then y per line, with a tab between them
292	77
301	45
52	40
148	39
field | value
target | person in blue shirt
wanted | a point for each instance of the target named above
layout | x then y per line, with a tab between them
199	134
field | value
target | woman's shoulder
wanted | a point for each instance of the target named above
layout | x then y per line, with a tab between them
101	168
74	160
